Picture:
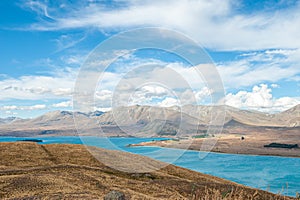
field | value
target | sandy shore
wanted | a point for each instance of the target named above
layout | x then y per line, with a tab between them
233	143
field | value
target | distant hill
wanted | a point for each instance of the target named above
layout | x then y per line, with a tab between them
147	121
52	123
61	171
194	115
8	120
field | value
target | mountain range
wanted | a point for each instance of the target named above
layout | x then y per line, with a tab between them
148	121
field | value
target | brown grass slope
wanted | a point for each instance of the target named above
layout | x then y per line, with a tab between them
56	171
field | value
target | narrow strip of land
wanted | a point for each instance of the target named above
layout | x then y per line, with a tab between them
253	144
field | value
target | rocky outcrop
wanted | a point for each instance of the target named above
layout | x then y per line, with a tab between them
115	195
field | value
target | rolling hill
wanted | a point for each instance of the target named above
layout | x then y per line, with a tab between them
61	171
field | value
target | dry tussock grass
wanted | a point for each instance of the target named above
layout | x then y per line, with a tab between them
31	171
233	194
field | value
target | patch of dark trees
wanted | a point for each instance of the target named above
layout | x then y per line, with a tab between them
31	140
279	145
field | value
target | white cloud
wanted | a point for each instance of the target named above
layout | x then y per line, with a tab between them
62	91
103	95
74	60
102	109
257	67
150	94
260	98
14	107
273	85
38	87
9	108
168	102
203	94
9	112
285	103
152	90
68	41
36	107
102	99
64	104
214	23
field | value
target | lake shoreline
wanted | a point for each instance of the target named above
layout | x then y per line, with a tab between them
253	148
229	144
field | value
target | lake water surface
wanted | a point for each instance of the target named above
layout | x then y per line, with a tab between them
272	173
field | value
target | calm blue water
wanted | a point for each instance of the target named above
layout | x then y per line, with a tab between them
275	174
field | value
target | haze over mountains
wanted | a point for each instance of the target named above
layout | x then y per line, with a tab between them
148	121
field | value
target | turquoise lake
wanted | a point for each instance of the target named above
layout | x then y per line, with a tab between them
271	173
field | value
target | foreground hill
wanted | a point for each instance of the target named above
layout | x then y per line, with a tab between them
147	121
32	171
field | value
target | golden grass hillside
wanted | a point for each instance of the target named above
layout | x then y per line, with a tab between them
61	171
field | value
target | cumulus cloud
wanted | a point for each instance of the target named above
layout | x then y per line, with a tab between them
260	98
204	94
153	91
64	104
151	94
168	102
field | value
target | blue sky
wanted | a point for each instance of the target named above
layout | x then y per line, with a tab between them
255	46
